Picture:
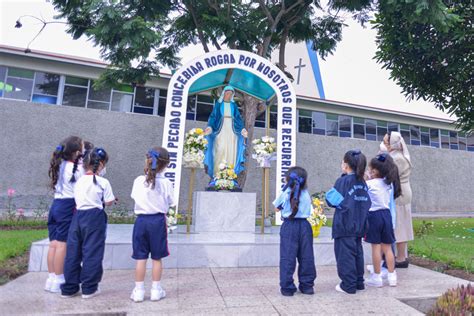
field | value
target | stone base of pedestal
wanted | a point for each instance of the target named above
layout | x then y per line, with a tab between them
224	211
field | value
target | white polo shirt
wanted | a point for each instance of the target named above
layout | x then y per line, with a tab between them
64	188
379	193
152	201
89	195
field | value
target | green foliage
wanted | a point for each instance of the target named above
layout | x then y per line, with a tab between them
119	213
459	301
15	242
428	47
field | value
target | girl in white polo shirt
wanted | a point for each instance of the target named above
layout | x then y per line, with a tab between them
153	196
86	238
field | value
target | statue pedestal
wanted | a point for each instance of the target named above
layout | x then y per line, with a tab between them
224	212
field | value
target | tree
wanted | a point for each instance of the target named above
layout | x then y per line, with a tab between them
428	47
151	33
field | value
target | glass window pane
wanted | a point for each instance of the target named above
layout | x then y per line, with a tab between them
161	106
77	81
424	129
44	99
415	142
204	110
304	124
141	110
102	94
46	83
444	132
359	131
358	120
273	120
145	97
393	127
3	71
334	117
20	73
415	132
371	127
274	109
98	105
345	123
163	93
382	123
121	102
124	88
260	124
453	137
20	89
405	127
319	120
444	141
406	136
370	137
205	98
470	140
191	108
434	135
332	128
74	96
462	143
304	113
425	139
381	131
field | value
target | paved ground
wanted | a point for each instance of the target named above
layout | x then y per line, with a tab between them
219	291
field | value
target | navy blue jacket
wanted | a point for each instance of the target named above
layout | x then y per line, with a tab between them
351	199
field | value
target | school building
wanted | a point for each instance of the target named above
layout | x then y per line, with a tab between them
45	97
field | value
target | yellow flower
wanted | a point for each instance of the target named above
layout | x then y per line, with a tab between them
199	131
231	166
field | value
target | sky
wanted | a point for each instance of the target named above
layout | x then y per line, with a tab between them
350	75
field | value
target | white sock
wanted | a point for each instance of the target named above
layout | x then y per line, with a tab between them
60	277
51	276
140	285
156	284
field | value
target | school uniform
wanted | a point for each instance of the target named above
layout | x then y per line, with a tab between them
86	240
296	243
381	221
352	202
63	207
150	232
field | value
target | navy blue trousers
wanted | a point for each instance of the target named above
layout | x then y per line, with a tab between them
296	243
86	244
350	263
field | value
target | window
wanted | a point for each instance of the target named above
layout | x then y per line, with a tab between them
3	72
462	141
260	120
358	127
470	142
319	123
425	136
370	129
121	102
381	130
304	121
19	84
75	91
444	139
434	137
332	125
415	135
162	102
273	116
144	100
191	108
392	127
453	140
405	132
46	88
98	98
205	104
345	124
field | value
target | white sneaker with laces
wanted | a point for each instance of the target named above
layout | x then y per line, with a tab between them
392	278
374	280
87	296
383	270
48	284
56	285
339	289
157	294
138	295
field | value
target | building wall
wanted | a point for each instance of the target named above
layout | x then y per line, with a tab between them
442	180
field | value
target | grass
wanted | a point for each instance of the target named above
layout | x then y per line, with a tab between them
448	241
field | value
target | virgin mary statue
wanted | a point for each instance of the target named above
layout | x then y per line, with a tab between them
225	135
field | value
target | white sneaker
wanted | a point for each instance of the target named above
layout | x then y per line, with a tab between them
48	284
374	280
56	286
370	268
383	270
157	294
392	278
138	295
87	296
339	289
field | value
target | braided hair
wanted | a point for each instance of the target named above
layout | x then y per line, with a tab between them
97	156
295	180
157	159
357	162
88	146
66	150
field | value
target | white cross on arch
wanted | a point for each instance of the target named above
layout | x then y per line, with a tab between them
299	66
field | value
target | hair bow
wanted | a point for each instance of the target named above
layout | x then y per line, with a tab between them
59	148
297	181
382	157
355	152
100	152
154	157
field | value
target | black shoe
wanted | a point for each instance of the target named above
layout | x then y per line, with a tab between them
401	265
360	287
287	293
308	291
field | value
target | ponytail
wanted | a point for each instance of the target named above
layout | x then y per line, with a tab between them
388	170
296	180
357	162
97	156
74	169
157	160
55	163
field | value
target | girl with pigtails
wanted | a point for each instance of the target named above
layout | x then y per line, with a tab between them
64	171
86	238
296	236
351	201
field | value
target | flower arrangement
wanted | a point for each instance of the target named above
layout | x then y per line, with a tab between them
194	146
225	177
172	219
264	150
317	217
